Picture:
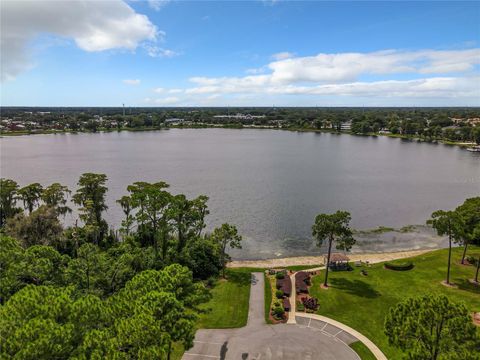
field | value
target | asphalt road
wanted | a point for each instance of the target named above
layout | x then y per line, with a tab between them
307	340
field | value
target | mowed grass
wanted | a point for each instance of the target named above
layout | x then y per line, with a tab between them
362	351
228	307
362	302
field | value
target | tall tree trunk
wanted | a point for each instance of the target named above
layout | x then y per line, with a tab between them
330	241
169	350
478	268
449	257
464	252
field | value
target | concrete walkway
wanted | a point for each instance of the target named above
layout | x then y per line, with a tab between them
259	341
327	321
293	301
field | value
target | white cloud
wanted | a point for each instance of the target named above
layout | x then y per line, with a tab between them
283	55
93	26
155	51
131	81
157	4
171	100
175	91
444	74
159	90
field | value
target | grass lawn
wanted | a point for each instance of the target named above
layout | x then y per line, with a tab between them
228	307
362	351
362	302
268	298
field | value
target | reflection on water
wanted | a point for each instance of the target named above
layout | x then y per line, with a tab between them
270	183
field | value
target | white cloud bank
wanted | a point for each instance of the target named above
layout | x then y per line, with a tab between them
93	25
390	73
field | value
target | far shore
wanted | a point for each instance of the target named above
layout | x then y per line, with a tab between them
372	258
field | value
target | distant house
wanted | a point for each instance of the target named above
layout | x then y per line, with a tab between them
174	121
346	126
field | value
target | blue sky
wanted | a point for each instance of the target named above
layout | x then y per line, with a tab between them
181	53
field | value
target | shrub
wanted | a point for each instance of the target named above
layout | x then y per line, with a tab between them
399	267
279	294
278	312
300	306
472	260
280	275
211	281
310	303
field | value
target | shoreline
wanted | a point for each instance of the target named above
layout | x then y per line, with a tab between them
460	144
372	258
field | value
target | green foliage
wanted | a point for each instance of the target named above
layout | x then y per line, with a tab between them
279	294
91	197
55	196
226	236
278	312
431	327
280	275
333	227
30	195
400	266
40	227
154	310
8	195
362	351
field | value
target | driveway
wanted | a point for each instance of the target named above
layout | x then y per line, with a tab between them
306	340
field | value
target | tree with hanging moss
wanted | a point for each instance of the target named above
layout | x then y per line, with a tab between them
30	196
8	198
432	327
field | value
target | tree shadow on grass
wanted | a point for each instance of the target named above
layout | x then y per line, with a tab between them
355	287
465	284
240	278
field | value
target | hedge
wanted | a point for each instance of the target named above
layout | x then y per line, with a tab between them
399	267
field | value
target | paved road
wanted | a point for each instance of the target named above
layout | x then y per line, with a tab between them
259	341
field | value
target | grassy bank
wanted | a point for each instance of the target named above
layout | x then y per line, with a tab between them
228	307
362	302
362	351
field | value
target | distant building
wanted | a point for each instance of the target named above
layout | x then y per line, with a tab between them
346	126
174	121
239	116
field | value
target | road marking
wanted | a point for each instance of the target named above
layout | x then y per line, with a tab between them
338	333
309	321
210	356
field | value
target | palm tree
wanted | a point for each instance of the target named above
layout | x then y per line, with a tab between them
333	227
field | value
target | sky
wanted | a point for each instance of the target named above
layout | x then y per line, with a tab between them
240	53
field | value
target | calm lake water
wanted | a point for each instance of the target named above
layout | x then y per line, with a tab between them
270	183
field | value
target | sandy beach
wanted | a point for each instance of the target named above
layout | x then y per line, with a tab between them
318	260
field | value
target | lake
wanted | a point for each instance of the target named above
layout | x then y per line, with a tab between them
270	183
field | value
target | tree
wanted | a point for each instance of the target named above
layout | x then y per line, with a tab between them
126	204
188	218
226	236
30	195
476	134
333	227
469	212
451	224
431	327
166	303
11	256
41	227
45	322
55	196
8	195
88	270
151	203
91	196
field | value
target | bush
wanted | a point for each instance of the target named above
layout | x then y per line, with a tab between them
399	267
278	312
279	294
300	306
280	275
310	304
472	260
